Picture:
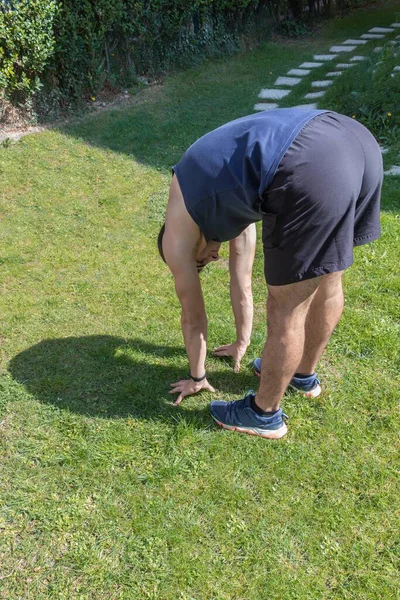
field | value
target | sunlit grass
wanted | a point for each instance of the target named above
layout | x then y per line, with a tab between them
107	490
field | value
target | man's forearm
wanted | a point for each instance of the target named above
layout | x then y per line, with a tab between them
241	258
242	306
195	337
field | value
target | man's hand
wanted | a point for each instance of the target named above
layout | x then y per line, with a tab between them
187	387
236	350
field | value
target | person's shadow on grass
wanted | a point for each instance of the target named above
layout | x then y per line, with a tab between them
111	377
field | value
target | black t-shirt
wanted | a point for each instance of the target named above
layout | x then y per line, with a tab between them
224	174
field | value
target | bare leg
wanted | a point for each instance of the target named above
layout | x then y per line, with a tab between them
287	309
323	315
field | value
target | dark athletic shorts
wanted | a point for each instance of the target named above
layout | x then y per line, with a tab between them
324	200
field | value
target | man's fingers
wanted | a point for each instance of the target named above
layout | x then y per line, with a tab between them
221	352
183	389
236	366
179	399
176	389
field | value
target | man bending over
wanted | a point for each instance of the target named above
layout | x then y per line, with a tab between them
314	179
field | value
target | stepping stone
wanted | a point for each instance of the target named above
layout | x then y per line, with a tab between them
381	30
265	106
355	42
344	65
342	48
306	106
287	81
372	36
299	72
334	73
397	37
324	56
378	49
314	95
394	42
357	58
321	84
395	25
310	65
270	94
395	170
396	68
383	150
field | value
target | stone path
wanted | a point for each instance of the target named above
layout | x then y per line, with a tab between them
395	170
286	83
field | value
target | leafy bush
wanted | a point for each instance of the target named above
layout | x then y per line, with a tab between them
293	28
116	39
26	44
370	93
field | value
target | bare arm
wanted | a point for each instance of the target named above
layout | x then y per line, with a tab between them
179	245
241	259
193	318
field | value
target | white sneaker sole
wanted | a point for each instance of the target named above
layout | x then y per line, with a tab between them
274	434
311	394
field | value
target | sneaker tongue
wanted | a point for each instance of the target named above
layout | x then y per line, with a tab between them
248	400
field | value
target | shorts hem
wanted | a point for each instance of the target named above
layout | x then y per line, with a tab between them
313	272
365	239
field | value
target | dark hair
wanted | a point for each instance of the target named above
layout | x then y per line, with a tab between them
159	242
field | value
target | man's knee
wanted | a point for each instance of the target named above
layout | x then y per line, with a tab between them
287	305
293	295
331	287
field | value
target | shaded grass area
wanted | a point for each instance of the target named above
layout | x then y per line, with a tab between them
109	492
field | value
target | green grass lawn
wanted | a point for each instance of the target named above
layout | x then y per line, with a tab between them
107	490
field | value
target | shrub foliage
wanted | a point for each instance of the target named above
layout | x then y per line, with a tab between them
370	93
26	45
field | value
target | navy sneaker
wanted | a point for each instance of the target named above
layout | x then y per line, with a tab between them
238	415
307	386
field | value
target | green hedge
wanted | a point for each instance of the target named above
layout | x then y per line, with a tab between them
115	40
26	45
75	47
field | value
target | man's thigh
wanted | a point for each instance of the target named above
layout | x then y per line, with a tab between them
288	303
